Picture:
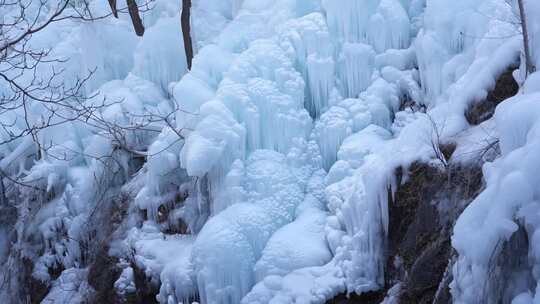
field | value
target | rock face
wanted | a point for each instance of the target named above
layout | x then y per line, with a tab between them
422	214
101	276
505	87
367	298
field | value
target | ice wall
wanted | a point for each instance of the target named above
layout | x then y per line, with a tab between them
259	97
280	151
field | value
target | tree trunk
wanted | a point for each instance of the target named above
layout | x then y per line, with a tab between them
186	31
529	65
135	17
3	197
114	10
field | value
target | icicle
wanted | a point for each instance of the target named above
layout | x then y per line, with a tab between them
331	130
320	73
356	64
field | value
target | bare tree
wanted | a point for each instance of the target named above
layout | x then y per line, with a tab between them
30	75
112	4
520	13
529	64
134	11
186	31
135	17
31	78
436	142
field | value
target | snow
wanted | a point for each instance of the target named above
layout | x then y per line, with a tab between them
70	287
296	245
165	259
306	285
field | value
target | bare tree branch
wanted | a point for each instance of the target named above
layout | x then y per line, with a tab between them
135	17
186	31
529	65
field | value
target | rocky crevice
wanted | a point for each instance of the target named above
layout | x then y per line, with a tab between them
422	215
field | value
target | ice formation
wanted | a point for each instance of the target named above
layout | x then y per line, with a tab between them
278	151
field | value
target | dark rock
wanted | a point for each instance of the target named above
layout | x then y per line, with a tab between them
101	276
365	298
426	272
35	289
421	217
510	264
421	220
505	87
146	290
